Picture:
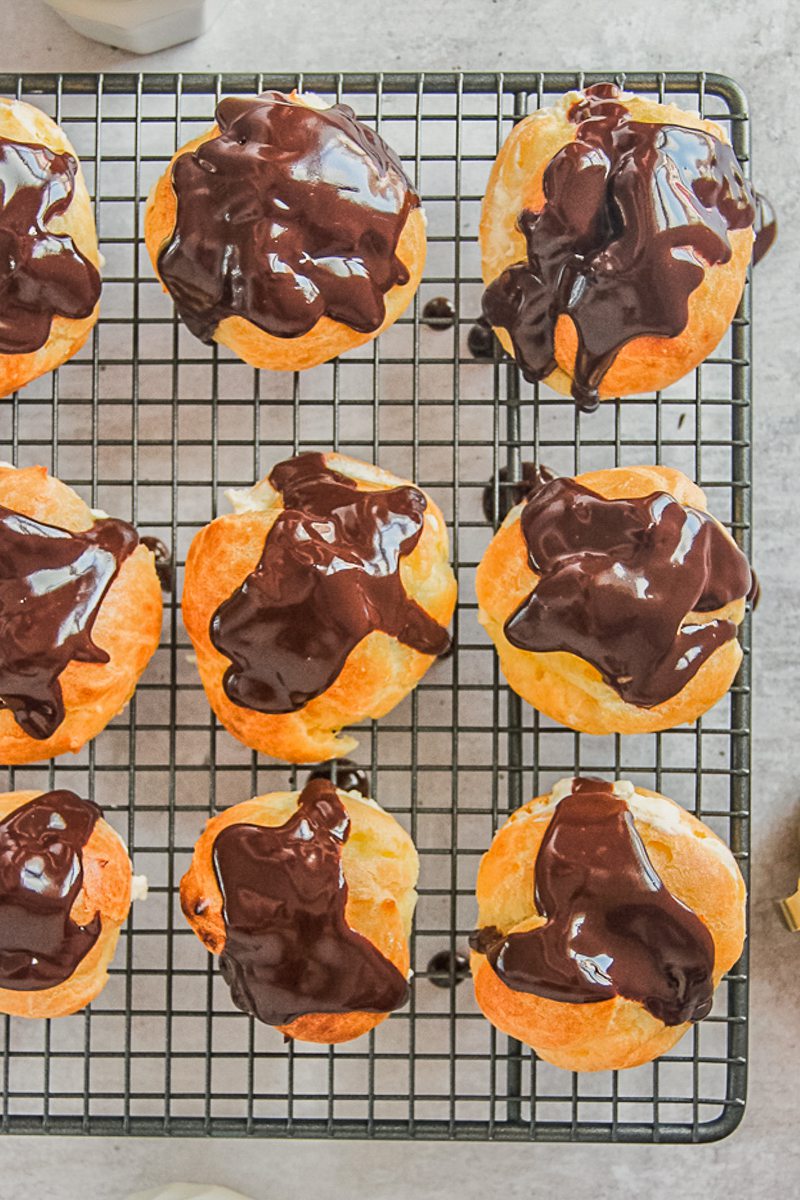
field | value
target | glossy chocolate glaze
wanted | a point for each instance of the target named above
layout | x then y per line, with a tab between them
766	228
328	576
290	214
634	211
288	948
617	578
164	564
534	476
52	583
42	274
345	774
612	928
41	874
439	313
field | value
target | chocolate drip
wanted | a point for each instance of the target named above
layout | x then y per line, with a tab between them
41	875
766	228
328	576
52	584
344	774
617	578
165	567
290	214
482	940
288	948
633	213
534	476
612	928
42	274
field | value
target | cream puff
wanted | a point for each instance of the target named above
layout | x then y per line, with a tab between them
607	917
288	232
614	599
308	900
65	891
615	237
49	261
80	616
320	601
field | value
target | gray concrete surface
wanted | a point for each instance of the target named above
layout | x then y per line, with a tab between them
757	44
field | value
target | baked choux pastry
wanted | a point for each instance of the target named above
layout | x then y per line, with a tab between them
288	232
65	890
613	600
49	261
615	238
80	616
607	917
320	601
308	899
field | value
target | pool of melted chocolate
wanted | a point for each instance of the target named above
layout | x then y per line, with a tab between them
612	928
634	212
289	214
438	313
617	580
288	948
52	584
42	274
41	875
328	576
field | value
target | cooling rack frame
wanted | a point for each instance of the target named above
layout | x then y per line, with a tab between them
139	1062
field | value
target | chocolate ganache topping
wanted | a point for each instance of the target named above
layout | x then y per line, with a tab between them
618	578
328	576
41	874
52	583
288	948
633	213
42	274
612	928
290	214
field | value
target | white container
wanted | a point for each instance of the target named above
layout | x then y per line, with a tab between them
141	26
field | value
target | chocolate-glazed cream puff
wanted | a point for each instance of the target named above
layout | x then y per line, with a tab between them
607	917
289	232
80	616
321	601
613	600
308	899
65	891
615	236
49	277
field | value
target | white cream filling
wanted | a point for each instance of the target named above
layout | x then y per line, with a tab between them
139	887
258	498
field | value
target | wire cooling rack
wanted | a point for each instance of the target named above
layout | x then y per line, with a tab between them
149	424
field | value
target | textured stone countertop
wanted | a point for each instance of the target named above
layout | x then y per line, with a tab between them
756	43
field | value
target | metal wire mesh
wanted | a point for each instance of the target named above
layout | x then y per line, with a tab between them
151	425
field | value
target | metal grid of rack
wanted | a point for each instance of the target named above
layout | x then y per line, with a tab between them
151	425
